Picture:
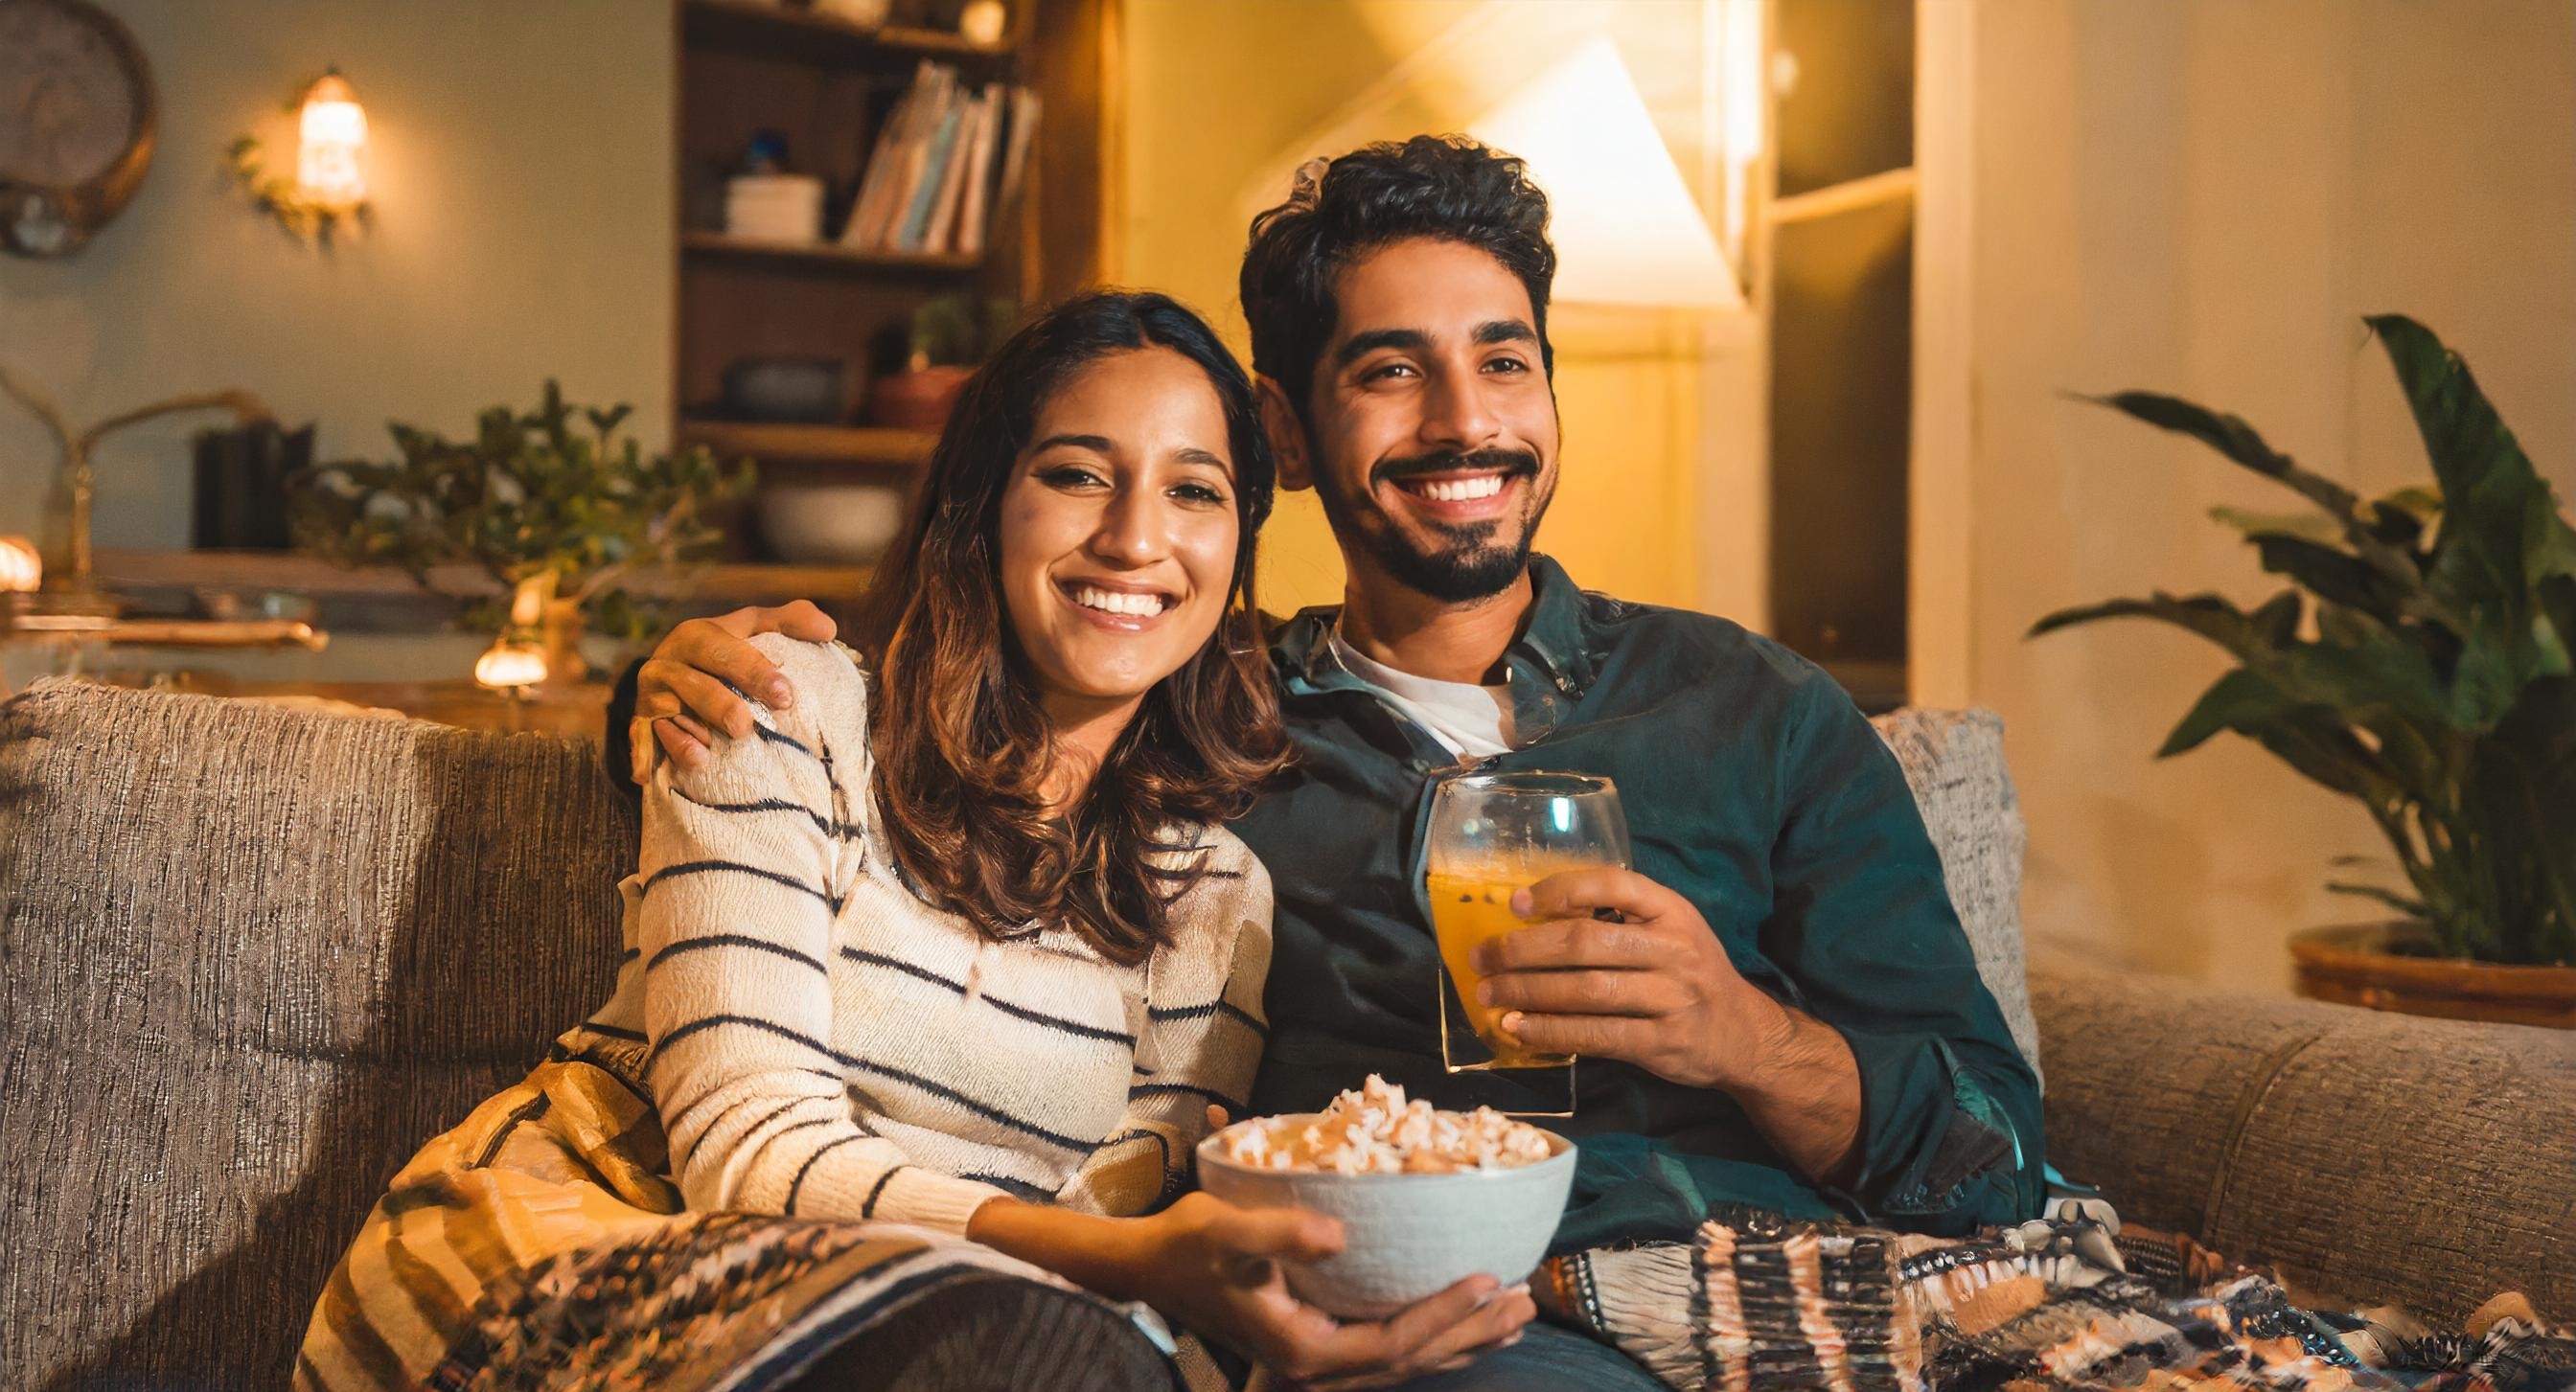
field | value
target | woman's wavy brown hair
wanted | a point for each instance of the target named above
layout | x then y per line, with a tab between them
962	747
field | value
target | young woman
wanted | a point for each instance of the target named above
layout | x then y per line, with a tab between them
949	936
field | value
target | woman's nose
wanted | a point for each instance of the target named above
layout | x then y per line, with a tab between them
1131	531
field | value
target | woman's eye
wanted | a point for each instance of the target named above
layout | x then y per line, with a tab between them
1070	476
1198	493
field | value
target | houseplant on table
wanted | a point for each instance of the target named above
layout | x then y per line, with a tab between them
552	504
2419	664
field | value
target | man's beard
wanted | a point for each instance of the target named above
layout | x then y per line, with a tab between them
1471	564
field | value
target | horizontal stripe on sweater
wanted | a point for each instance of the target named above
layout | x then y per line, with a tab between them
1035	1017
707	867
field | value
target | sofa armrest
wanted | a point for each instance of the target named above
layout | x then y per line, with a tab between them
2369	1156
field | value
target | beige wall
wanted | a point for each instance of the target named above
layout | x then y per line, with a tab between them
522	177
1662	494
2202	198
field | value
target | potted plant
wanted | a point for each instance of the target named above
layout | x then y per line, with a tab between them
2419	664
950	335
551	504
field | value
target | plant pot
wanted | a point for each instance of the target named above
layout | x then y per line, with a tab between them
2366	964
917	399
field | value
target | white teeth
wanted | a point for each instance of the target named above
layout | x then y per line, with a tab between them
1118	601
1463	490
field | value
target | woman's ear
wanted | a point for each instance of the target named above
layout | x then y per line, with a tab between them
1287	435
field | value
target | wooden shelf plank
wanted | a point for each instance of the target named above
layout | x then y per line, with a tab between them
828	256
842	444
296	573
776	31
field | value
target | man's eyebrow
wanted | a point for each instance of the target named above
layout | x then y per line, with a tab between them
1099	443
1361	345
1505	331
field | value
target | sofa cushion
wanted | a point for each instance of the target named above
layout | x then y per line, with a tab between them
2371	1157
1954	761
250	958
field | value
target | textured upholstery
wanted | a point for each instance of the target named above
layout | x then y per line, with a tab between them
204	1077
1954	761
2372	1157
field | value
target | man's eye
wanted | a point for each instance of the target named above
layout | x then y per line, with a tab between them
1388	370
1507	365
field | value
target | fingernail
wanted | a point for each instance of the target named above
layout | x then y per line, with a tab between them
1523	903
1511	1024
779	695
1513	1338
1484	992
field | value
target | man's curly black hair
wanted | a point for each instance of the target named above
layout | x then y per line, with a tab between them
1442	186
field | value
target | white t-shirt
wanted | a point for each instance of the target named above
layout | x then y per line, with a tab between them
1471	721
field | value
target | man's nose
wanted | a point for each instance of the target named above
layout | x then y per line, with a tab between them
1455	414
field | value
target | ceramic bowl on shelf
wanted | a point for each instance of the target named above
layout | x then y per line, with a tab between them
819	522
1406	1236
788	390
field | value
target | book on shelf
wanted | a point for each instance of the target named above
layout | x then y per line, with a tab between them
947	161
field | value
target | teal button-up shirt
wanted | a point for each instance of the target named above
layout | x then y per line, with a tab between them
1753	787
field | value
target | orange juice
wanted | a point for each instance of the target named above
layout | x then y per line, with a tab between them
1470	908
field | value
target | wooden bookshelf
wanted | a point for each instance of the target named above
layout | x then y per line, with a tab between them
291	572
827	256
829	444
826	86
770	29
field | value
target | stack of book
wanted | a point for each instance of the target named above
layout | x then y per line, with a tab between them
946	159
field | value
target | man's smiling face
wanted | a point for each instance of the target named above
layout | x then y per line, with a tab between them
1433	440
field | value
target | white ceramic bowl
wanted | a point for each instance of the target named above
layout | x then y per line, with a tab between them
1406	1236
828	523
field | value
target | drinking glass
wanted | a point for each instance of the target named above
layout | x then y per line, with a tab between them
1491	835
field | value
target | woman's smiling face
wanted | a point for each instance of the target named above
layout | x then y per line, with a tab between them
1119	529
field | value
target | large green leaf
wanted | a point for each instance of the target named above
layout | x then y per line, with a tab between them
2245	634
2500	533
2231	436
2331	574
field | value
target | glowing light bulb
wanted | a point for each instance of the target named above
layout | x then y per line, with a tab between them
331	167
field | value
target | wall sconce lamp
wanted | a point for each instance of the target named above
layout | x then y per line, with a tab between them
329	190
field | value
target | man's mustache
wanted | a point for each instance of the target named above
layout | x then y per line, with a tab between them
1508	463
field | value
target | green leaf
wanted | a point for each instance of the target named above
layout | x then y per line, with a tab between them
2295	524
2210	616
2412	908
2333	575
2232	437
2240	700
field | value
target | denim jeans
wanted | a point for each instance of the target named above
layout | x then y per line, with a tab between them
1547	1359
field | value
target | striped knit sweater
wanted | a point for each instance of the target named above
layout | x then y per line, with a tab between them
823	1044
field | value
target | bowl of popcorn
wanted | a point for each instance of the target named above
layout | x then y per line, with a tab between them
1426	1198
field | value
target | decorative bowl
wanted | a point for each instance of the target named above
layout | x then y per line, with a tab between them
828	523
793	390
1406	1236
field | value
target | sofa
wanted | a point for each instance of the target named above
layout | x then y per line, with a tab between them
251	956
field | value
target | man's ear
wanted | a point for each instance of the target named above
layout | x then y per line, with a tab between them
1287	435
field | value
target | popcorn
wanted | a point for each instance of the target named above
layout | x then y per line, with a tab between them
1376	1130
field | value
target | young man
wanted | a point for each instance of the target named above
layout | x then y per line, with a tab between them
1785	1012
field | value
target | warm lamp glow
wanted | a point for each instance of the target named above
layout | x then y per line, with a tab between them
21	570
1626	229
331	167
509	666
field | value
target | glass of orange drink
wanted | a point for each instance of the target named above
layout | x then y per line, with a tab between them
1492	835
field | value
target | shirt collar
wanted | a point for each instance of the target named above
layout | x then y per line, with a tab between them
1553	638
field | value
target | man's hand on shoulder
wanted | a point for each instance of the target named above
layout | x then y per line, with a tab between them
685	691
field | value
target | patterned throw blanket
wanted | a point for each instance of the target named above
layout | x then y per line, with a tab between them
1760	1304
